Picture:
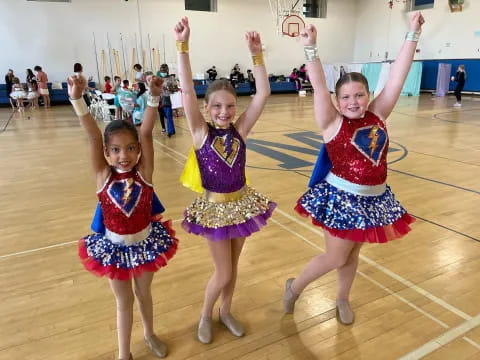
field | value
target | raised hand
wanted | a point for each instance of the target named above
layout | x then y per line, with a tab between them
76	85
309	35
254	42
155	84
417	21
182	30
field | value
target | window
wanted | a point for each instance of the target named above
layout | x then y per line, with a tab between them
413	5
315	8
201	5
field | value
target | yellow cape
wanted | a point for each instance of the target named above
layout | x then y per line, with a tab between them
190	177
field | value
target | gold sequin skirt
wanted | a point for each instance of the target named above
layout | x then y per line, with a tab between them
227	216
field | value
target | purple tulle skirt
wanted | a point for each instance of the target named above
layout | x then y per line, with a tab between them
227	220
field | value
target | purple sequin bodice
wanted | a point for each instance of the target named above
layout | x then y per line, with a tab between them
221	160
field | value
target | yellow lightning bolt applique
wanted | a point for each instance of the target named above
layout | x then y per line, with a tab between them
374	136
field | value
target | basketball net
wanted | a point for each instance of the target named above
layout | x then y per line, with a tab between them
288	17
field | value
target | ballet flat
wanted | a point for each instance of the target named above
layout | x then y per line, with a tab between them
156	346
289	298
344	312
204	333
232	324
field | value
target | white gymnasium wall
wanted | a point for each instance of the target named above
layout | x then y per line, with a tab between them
445	35
55	35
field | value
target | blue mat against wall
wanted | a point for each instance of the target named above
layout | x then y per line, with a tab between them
430	72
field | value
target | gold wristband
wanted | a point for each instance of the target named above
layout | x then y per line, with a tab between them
258	59
182	46
80	106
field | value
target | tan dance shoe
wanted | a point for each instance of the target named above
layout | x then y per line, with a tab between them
344	312
289	297
204	333
156	346
232	324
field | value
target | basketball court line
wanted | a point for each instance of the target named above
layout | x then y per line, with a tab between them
444	339
470	324
49	247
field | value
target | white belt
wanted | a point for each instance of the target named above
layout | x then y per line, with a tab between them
128	239
364	190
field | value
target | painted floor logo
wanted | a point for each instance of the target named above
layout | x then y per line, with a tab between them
301	150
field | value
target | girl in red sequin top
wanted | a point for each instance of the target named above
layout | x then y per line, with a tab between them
350	200
134	244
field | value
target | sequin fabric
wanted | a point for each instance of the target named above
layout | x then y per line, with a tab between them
339	211
221	160
358	152
104	258
126	202
227	220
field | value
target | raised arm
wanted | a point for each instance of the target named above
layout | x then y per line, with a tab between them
76	84
384	103
146	129
247	120
324	110
196	122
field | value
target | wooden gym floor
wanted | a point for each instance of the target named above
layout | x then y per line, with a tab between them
414	298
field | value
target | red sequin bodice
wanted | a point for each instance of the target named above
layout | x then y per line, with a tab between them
126	201
358	151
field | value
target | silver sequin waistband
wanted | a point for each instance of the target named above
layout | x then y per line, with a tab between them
364	190
128	239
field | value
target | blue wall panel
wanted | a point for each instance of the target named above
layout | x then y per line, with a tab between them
430	72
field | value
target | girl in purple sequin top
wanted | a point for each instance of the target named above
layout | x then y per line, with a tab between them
229	210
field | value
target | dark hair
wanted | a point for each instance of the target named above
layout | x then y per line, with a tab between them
119	125
77	67
34	85
37	68
349	77
221	84
142	88
137	66
126	82
116	77
164	68
30	75
107	78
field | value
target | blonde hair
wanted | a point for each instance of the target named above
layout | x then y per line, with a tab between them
217	85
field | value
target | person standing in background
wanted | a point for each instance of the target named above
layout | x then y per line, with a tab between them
42	79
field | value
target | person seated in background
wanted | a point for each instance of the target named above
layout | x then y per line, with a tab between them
212	73
234	74
295	76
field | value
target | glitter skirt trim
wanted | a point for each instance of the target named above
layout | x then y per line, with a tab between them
233	219
374	219
122	262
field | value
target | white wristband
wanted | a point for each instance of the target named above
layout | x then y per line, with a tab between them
311	52
153	101
413	36
80	106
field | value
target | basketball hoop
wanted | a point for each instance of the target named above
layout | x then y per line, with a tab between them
287	16
292	25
